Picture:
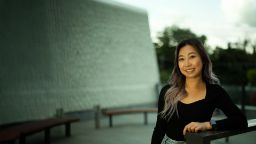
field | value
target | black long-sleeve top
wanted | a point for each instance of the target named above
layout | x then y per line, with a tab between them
199	111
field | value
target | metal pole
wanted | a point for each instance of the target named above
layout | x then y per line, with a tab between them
97	116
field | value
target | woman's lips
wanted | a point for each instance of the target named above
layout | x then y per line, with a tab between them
190	70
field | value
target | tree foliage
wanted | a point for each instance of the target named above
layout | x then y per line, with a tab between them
232	64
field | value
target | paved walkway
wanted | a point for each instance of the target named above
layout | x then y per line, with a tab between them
128	129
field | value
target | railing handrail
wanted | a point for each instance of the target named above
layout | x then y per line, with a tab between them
207	136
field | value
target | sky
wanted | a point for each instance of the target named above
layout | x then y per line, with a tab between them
221	21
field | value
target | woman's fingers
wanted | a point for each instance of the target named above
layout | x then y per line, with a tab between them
187	128
192	127
197	129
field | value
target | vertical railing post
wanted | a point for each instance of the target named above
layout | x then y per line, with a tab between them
226	139
97	116
244	83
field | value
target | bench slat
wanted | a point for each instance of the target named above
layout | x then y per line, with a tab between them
112	112
6	136
125	111
22	130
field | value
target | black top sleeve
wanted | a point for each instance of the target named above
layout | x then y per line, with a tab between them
160	128
235	118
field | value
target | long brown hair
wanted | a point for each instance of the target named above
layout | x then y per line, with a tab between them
177	81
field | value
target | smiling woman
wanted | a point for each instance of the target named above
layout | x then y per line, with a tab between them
187	103
190	62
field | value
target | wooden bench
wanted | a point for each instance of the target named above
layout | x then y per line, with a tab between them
112	112
21	131
207	136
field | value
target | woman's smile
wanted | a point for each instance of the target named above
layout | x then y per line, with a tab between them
190	70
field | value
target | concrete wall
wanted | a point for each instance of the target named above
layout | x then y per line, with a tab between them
72	54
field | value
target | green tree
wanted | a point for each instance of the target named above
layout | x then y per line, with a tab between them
228	64
231	64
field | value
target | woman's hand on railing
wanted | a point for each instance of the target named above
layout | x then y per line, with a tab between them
196	127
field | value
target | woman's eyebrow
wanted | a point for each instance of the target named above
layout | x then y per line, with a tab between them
188	54
191	53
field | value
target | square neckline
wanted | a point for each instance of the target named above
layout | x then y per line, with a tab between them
197	101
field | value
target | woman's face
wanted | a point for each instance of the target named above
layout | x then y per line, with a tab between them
190	62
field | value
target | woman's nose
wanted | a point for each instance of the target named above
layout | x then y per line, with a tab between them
187	62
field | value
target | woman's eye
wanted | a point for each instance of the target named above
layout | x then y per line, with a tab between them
180	59
193	56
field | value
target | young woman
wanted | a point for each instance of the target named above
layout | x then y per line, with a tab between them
187	103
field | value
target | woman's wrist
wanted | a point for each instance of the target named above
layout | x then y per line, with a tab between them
208	125
213	124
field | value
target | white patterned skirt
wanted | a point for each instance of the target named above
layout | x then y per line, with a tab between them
167	140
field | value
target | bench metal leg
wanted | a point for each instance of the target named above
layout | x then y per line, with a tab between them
68	130
110	121
47	134
145	118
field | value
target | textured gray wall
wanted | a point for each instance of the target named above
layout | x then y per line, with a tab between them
72	54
